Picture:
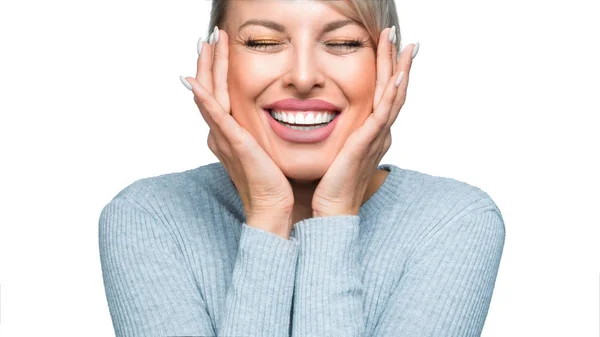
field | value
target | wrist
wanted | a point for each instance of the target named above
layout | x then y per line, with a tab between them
280	225
318	214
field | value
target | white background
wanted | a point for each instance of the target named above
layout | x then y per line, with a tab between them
502	95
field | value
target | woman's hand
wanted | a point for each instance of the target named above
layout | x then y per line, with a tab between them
264	190
342	189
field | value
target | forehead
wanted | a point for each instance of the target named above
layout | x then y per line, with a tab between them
288	13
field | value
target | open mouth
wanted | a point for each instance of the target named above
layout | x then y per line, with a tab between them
307	123
305	130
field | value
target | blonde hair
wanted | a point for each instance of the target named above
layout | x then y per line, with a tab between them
374	15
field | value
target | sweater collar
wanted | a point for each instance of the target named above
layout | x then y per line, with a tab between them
381	201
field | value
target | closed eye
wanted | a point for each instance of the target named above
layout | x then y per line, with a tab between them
262	45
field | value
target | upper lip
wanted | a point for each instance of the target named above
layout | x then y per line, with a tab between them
302	105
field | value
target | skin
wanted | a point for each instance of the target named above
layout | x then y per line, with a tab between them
300	66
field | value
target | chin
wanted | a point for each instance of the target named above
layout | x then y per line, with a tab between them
304	172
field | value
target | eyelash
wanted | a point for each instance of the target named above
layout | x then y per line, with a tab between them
349	44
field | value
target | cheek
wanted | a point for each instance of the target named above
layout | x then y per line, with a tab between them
250	73
239	74
247	78
357	82
245	81
241	92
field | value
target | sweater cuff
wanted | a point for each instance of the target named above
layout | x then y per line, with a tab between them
329	291
260	297
255	240
329	243
324	234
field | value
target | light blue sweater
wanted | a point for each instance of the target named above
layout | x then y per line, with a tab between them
420	259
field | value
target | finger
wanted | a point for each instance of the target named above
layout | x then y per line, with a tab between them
204	68
405	66
377	121
220	66
397	49
213	129
394	58
384	63
213	39
374	127
223	122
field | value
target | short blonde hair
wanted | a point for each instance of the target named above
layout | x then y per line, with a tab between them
374	15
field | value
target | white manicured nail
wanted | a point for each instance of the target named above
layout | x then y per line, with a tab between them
415	50
392	35
399	52
216	32
210	38
399	79
200	45
185	82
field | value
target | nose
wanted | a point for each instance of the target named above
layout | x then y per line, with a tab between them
304	71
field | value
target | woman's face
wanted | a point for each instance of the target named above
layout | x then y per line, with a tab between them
301	62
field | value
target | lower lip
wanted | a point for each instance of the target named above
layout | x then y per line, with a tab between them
300	136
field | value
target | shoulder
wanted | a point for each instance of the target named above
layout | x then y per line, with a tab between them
437	205
176	185
444	216
174	192
444	194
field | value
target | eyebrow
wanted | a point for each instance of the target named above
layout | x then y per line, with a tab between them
280	28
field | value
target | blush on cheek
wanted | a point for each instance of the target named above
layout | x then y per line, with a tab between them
253	73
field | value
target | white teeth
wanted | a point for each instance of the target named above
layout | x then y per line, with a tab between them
310	118
319	119
299	117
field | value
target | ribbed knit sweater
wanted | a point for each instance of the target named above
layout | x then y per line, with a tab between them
420	259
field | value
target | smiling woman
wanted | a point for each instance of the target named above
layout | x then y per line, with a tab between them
298	230
307	57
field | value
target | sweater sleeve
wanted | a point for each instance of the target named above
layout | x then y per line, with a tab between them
447	288
328	294
151	290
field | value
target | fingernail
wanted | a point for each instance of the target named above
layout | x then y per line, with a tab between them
200	45
399	79
415	50
216	32
392	35
399	52
185	82
210	38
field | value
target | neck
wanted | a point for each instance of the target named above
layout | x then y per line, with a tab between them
304	191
